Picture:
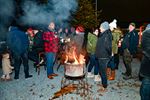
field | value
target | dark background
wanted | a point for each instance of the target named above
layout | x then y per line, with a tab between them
125	11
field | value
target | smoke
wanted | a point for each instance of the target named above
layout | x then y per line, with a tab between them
35	14
58	11
6	15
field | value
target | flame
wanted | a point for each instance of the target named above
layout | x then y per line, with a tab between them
71	56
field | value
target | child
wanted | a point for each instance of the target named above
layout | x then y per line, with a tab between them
6	66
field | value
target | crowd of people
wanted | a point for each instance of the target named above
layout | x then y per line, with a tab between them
100	46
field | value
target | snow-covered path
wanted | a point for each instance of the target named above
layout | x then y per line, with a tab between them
39	87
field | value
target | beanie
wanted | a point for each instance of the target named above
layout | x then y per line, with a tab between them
148	26
80	29
105	25
113	24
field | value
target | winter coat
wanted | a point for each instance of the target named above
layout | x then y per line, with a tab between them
145	64
78	40
104	45
50	42
6	65
116	34
91	43
130	42
17	41
38	42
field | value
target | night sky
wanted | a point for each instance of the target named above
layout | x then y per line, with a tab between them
125	11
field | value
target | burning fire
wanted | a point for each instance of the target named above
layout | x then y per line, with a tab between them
71	56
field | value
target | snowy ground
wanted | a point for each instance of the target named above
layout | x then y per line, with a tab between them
41	88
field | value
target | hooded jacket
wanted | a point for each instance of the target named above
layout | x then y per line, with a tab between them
104	45
17	40
91	44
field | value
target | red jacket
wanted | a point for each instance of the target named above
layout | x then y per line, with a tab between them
50	42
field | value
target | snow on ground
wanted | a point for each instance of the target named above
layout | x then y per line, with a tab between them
39	87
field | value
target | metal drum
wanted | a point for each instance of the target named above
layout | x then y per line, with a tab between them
74	70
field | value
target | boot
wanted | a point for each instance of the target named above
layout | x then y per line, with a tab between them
28	76
112	76
108	72
8	77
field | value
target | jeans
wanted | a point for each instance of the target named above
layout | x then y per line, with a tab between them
18	59
145	89
50	57
102	66
93	63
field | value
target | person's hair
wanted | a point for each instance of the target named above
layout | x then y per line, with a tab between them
133	24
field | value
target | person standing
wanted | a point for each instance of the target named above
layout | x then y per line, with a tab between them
129	45
18	43
113	63
51	47
78	40
91	46
103	52
145	65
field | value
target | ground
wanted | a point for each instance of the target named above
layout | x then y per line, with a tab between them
39	87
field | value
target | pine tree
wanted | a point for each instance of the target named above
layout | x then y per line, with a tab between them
86	15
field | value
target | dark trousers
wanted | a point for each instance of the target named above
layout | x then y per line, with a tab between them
33	55
18	59
111	64
116	60
102	68
93	63
145	89
127	59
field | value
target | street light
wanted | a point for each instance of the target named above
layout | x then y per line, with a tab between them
96	8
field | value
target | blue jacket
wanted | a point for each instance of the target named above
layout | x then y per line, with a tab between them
17	41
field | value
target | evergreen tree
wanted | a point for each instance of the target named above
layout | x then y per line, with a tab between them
86	15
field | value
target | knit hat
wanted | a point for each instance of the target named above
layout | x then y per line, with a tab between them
80	29
30	29
113	24
105	25
148	26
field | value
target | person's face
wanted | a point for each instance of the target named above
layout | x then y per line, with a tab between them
96	32
66	30
30	33
51	26
131	28
101	29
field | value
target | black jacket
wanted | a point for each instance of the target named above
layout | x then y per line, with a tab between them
130	41
104	45
145	64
